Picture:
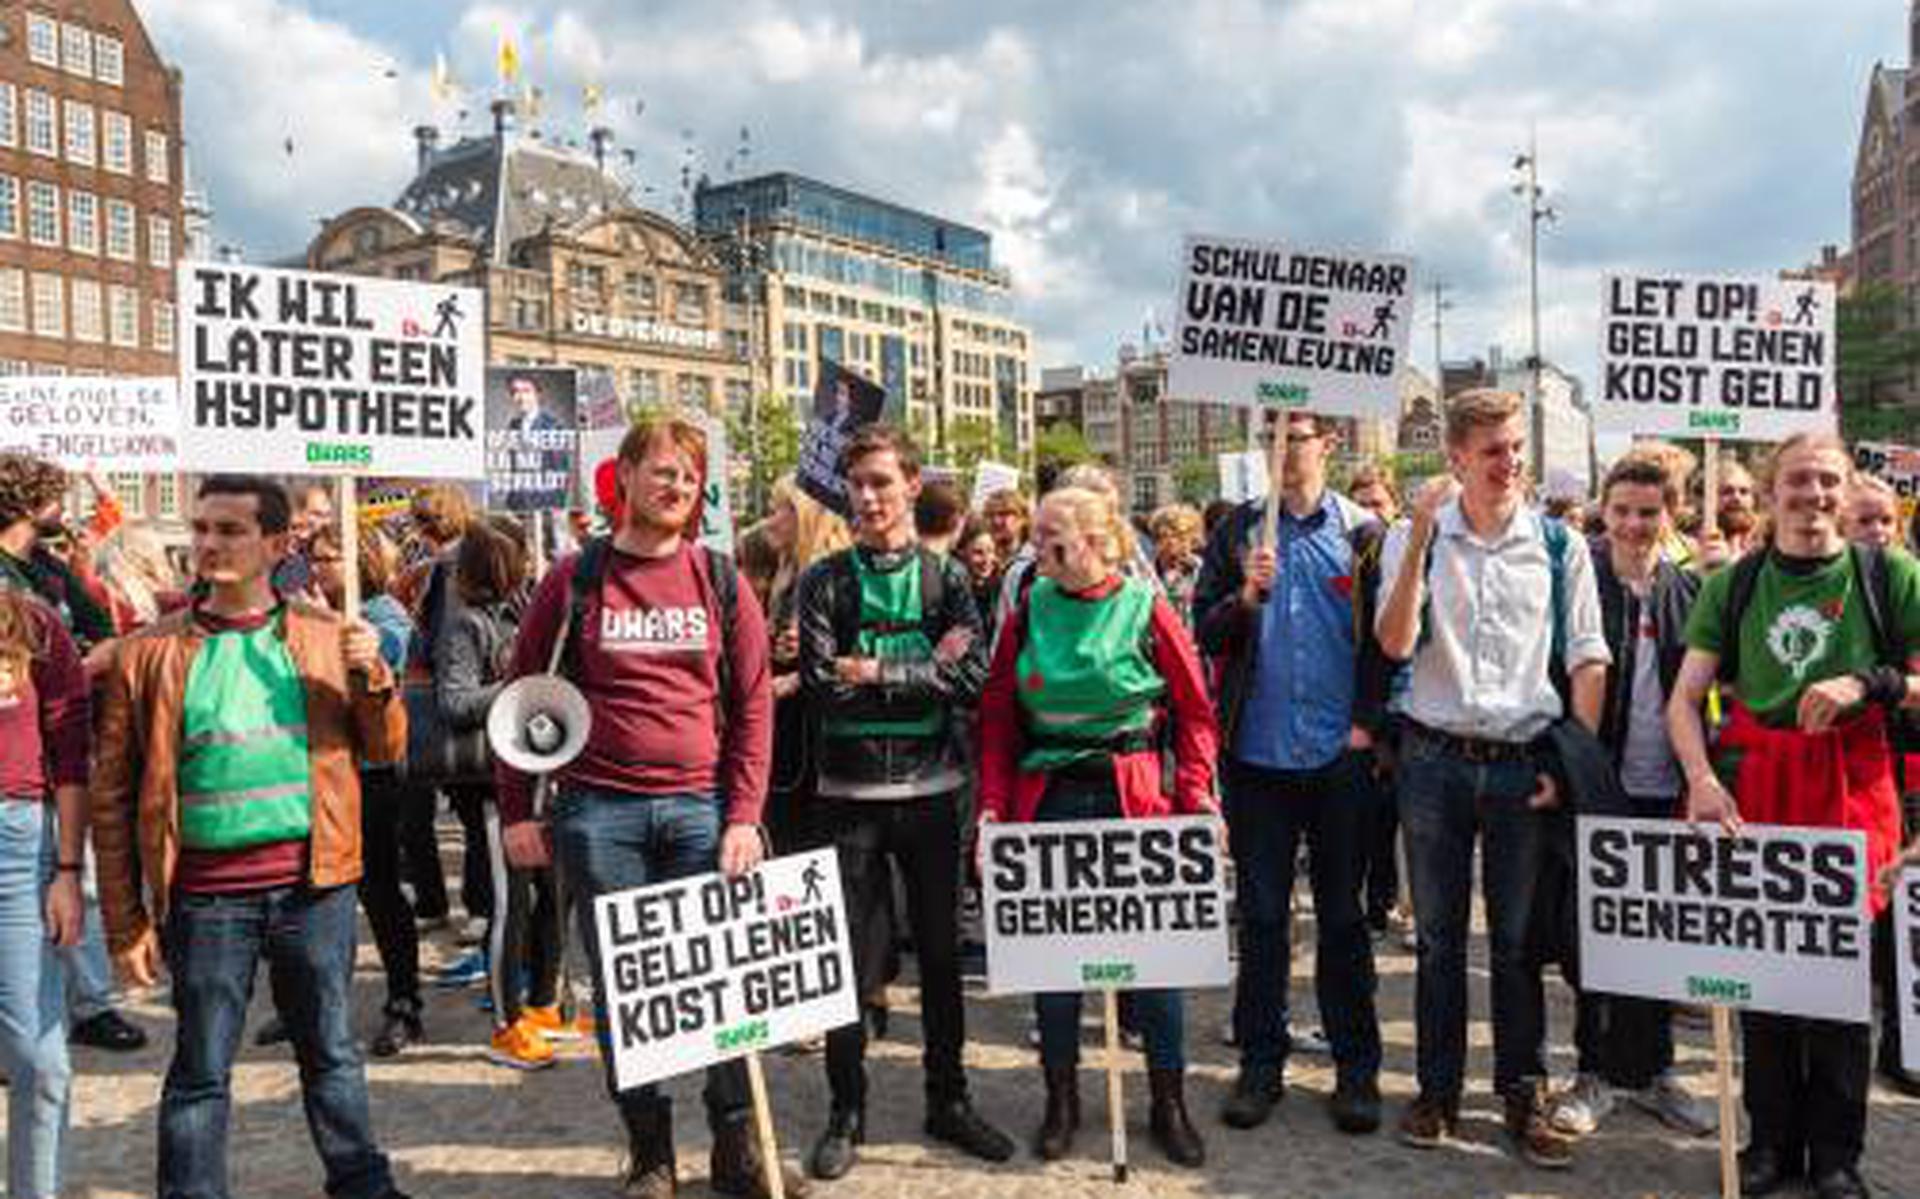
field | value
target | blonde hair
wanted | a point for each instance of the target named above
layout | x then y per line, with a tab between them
1812	440
817	532
1097	518
442	511
1480	408
1863	484
22	637
1175	520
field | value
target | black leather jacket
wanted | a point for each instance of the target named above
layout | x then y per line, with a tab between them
881	767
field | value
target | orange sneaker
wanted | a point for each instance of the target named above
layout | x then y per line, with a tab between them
520	1046
585	1026
549	1023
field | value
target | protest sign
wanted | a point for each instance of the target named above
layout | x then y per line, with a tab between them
707	968
1906	963
599	448
1278	326
1774	920
990	477
303	371
1896	465
1079	905
1747	359
533	432
842	402
1243	475
92	423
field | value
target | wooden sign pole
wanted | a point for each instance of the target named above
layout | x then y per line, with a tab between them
350	546
763	1126
1729	1113
1116	1108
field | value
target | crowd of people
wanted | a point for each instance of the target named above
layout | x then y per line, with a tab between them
212	763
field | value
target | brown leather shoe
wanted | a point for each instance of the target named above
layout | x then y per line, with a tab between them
1055	1138
650	1172
1168	1122
735	1166
1428	1122
1534	1136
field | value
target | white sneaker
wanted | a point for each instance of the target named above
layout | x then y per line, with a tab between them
1676	1107
1578	1110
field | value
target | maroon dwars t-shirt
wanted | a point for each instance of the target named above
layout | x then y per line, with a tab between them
649	659
44	721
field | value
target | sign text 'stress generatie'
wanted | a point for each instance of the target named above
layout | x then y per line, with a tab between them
1277	326
1743	359
304	371
1773	920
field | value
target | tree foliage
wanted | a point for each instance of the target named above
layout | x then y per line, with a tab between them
1877	354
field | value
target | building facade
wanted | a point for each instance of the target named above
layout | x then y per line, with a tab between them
575	273
1153	442
90	203
910	300
1885	249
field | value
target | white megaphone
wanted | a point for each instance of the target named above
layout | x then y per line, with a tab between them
539	723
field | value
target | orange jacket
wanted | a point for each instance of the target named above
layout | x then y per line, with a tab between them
135	797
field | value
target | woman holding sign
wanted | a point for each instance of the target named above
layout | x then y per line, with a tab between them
1091	668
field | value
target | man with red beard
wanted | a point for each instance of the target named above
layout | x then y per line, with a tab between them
1819	650
1737	522
672	656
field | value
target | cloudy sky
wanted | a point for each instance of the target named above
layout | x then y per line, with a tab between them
1699	135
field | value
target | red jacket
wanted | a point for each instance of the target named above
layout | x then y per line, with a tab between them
1008	793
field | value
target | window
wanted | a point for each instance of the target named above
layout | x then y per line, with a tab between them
43	40
695	392
49	306
529	314
159	240
123	305
13	300
644	386
76	50
690	303
163	326
9	116
166	495
9	206
120	231
40	123
79	133
639	291
116	141
43	213
794	337
83	222
109	64
130	488
86	312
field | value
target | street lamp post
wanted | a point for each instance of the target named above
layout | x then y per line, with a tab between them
1440	306
1528	189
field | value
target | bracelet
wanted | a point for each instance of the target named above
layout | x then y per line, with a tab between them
1884	685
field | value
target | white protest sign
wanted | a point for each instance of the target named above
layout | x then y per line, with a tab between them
1745	359
1774	920
1080	905
321	373
1906	964
1896	465
1243	475
81	423
991	477
708	968
1277	326
601	446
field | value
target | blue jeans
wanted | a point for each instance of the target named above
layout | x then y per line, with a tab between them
214	944
89	977
1159	1015
605	841
1269	813
33	1032
1444	802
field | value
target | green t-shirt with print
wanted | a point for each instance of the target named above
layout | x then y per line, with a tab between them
1802	628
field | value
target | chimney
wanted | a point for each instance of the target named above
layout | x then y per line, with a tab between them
600	138
425	139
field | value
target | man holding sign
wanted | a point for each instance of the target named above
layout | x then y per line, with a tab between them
672	656
1816	639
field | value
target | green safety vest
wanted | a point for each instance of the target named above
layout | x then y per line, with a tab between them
245	778
1085	676
892	628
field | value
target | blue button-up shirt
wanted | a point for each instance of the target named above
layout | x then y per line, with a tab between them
1299	705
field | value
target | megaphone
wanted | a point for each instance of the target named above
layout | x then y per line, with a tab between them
538	723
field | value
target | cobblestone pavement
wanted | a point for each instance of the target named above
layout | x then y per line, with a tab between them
459	1126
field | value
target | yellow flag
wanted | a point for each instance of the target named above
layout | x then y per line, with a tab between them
509	60
590	97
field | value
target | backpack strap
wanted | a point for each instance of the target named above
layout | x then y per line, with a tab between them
1870	568
1554	532
589	571
1746	576
933	584
723	576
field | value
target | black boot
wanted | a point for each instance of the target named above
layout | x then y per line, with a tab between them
399	1027
957	1123
736	1167
1055	1138
834	1153
1172	1130
650	1173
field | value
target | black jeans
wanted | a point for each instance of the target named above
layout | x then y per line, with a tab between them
526	942
1625	1039
1380	860
1805	1088
921	838
1269	812
382	801
420	852
470	803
